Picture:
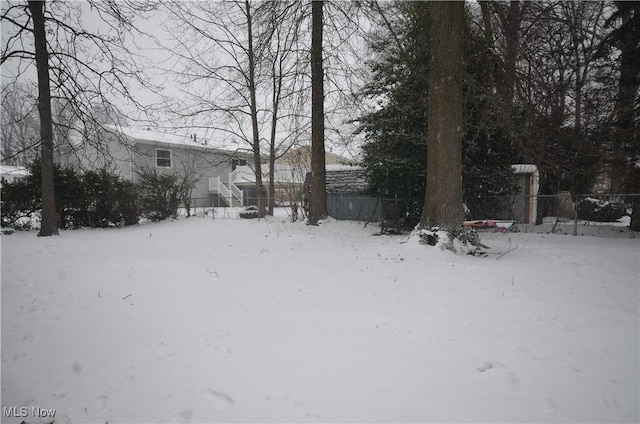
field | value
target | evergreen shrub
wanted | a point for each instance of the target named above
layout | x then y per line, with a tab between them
159	194
90	199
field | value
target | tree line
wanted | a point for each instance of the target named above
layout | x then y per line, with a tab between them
549	83
441	97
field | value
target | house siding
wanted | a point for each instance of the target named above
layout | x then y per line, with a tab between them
127	159
113	155
204	163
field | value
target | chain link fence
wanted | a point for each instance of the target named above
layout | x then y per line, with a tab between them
214	207
564	213
606	215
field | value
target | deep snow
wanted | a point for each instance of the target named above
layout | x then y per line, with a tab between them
228	320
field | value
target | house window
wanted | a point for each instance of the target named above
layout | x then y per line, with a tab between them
237	162
163	158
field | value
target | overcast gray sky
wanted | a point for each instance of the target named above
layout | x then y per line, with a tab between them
153	52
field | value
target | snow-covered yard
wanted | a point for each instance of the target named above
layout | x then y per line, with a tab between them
228	320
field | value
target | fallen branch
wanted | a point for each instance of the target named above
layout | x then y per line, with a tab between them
510	250
213	272
129	295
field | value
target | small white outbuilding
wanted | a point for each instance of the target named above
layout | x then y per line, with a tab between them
526	202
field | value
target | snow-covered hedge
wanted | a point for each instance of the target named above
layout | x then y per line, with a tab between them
592	209
457	240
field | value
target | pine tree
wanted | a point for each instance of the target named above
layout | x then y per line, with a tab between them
395	150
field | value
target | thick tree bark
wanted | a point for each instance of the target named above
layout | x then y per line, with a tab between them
510	18
272	162
514	17
49	224
627	176
443	197
624	125
634	225
275	102
257	160
318	200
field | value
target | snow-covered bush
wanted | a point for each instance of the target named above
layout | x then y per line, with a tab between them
597	210
429	237
20	200
457	240
250	212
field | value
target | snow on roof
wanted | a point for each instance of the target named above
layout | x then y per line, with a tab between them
13	171
346	179
147	135
342	167
524	169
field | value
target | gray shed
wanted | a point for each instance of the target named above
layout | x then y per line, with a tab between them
346	194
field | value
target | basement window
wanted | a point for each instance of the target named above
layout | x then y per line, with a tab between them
163	158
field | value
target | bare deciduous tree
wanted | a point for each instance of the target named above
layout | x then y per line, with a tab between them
49	224
20	128
283	56
76	67
240	66
318	201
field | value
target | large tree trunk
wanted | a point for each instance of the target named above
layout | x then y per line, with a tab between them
272	169
443	197
257	160
275	102
634	225
318	200
49	224
512	27
627	175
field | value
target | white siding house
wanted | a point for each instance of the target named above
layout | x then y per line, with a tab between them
126	151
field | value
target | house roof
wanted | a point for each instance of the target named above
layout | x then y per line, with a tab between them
301	157
9	171
142	135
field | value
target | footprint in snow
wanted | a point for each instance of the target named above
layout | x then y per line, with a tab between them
100	403
182	417
611	402
513	381
221	401
549	406
16	357
489	365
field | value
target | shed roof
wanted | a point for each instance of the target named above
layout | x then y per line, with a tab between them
346	180
522	168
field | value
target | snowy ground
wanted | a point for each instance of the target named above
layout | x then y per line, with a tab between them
229	320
